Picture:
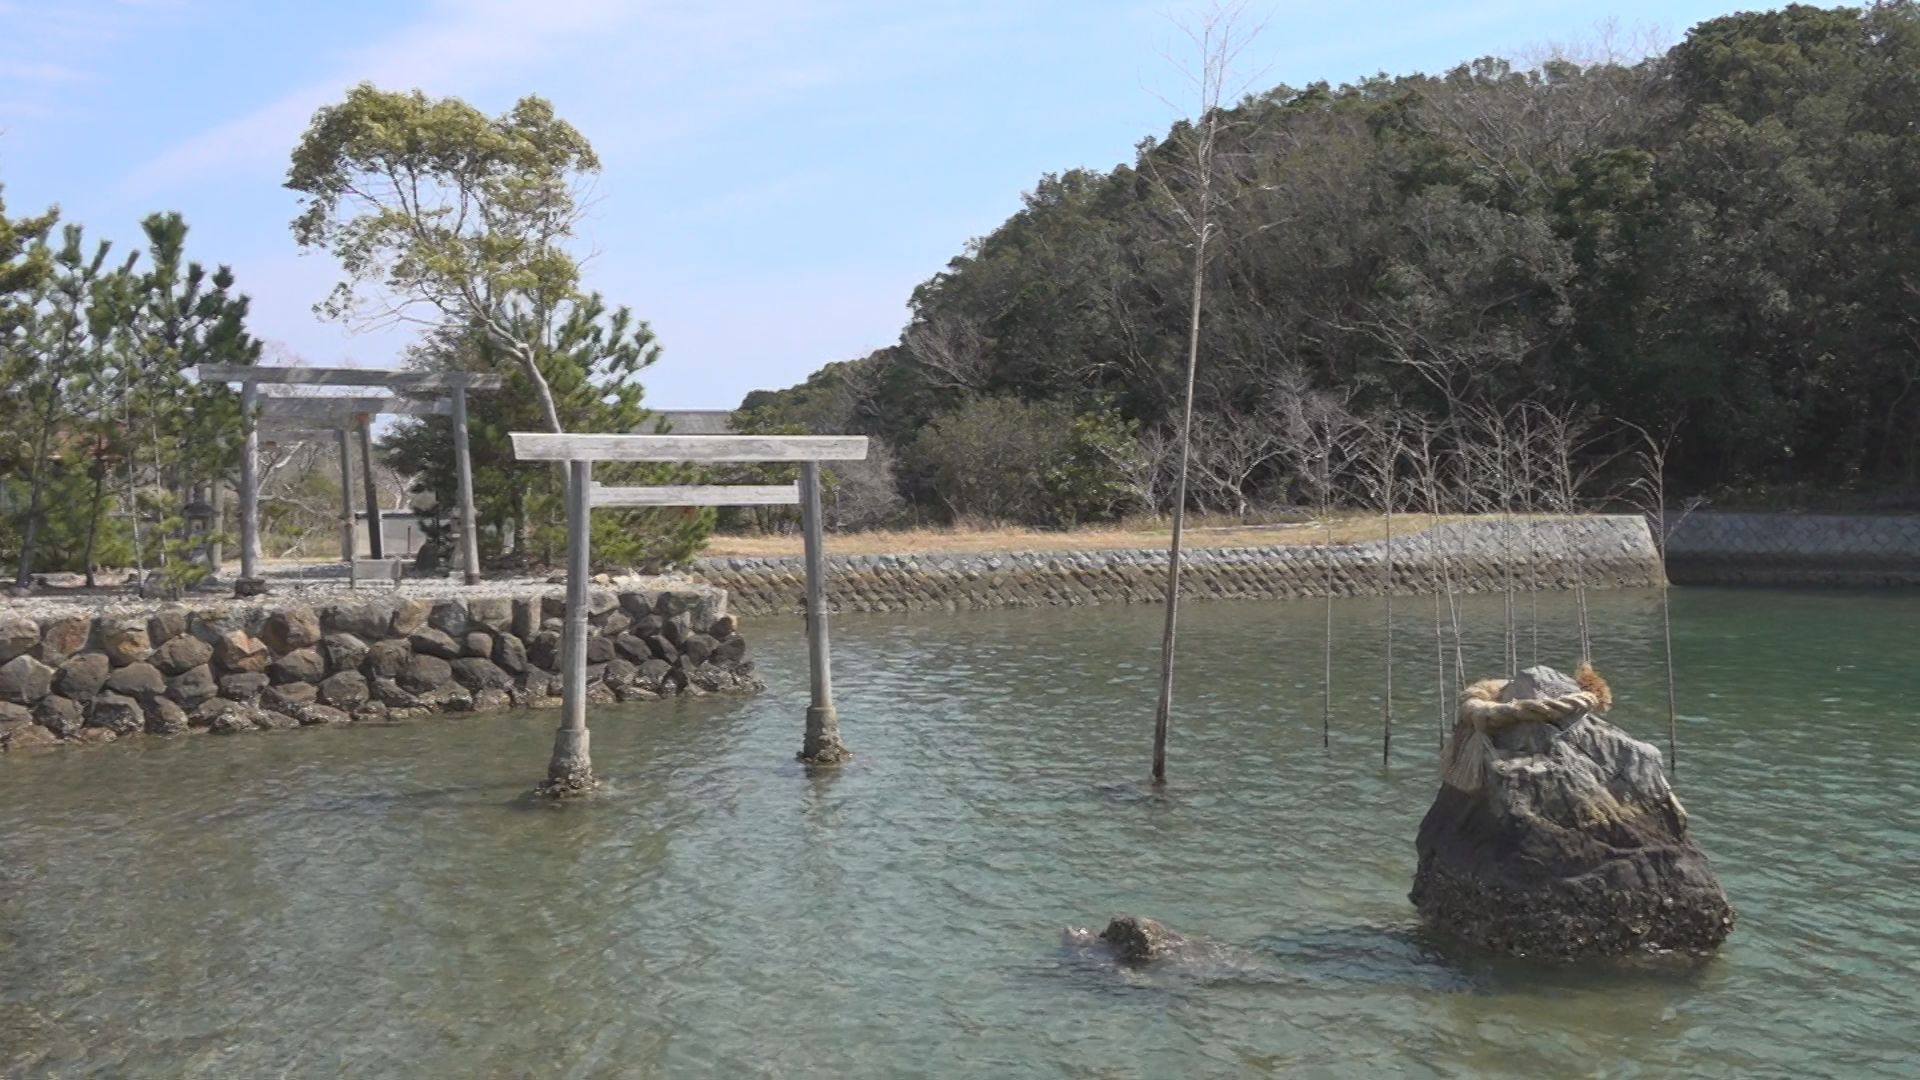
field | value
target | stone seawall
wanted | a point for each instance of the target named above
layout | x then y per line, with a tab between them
1713	548
230	667
1612	551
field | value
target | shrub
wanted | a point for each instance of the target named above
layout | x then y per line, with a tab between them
1033	463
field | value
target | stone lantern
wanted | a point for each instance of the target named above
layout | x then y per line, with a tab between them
200	517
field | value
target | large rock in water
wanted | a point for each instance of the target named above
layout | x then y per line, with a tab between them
1561	838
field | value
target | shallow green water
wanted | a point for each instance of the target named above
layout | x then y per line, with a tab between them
378	901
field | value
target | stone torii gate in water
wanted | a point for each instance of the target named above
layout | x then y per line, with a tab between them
335	414
570	770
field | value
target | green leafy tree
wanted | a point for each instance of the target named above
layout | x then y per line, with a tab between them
109	417
1715	241
59	347
441	214
854	494
180	432
999	460
25	263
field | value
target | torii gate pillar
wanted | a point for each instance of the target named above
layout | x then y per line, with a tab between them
822	745
250	482
570	769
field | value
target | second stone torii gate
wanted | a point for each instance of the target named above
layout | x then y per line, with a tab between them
338	417
455	383
570	770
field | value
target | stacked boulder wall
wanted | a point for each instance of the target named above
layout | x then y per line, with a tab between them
241	667
1555	834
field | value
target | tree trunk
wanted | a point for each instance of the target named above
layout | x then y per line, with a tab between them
37	487
93	519
543	393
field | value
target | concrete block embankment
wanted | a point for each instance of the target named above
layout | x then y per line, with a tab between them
1612	551
1793	549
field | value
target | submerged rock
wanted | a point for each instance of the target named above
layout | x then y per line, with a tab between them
1134	948
1138	938
1133	938
1556	834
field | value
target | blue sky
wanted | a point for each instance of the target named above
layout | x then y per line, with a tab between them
778	174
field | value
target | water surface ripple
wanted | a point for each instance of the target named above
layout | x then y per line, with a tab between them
381	902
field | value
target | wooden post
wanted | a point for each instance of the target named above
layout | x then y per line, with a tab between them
347	544
463	464
250	483
570	770
376	544
822	745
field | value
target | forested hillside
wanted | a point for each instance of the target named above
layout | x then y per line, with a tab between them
1720	243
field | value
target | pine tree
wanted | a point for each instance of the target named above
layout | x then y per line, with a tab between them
55	342
591	363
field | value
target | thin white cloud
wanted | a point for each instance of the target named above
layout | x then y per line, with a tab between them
463	45
74	27
699	55
24	110
38	87
662	87
42	73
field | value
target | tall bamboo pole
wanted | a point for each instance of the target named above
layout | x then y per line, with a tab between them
1326	525
1657	461
1652	488
1497	424
1386	701
1440	666
1389	467
1162	711
1193	201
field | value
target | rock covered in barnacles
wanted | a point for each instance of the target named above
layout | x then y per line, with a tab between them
1556	834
